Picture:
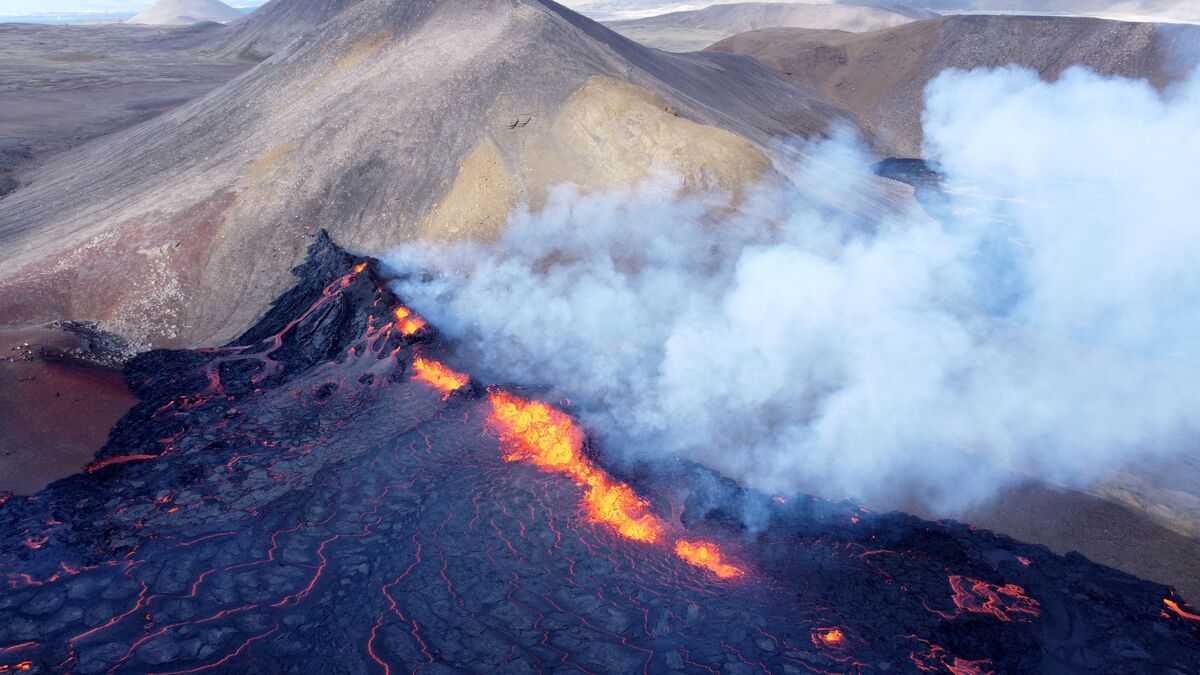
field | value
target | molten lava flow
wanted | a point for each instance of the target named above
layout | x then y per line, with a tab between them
438	376
549	439
100	464
831	637
1004	602
1180	612
707	555
408	322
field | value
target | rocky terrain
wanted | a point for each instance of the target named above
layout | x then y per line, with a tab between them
65	85
325	494
187	12
165	197
149	226
887	101
276	25
696	29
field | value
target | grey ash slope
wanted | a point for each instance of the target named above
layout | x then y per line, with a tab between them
186	12
276	24
180	230
888	101
695	29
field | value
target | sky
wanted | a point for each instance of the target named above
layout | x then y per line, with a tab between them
602	9
23	7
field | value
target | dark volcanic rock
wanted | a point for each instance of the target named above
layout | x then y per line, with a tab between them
298	501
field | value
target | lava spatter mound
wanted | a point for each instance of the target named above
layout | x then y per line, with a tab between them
328	494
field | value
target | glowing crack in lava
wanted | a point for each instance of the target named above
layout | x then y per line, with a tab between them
1179	611
408	321
1005	602
438	375
549	439
707	555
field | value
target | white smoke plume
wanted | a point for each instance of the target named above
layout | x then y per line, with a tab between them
1044	321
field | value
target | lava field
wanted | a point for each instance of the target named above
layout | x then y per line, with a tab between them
330	494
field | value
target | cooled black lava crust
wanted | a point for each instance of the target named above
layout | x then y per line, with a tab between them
297	502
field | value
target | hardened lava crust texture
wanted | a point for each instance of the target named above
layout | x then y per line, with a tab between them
327	494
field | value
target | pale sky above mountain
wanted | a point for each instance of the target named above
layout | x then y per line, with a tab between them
600	8
21	7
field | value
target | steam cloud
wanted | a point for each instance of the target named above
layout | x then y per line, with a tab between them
1043	319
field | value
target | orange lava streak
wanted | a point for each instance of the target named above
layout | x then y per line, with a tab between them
549	439
1003	602
408	322
1181	612
707	555
438	376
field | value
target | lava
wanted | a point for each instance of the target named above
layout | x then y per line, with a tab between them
438	375
1179	611
831	637
365	530
1006	602
96	466
707	555
408	321
549	439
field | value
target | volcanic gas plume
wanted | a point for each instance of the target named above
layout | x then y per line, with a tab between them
331	492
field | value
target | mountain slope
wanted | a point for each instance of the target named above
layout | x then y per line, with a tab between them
386	126
187	12
276	24
888	101
696	29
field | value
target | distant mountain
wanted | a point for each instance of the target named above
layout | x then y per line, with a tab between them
888	100
691	30
1129	10
187	12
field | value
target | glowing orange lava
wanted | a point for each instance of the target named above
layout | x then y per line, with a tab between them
832	637
707	555
549	439
360	267
438	376
408	322
1181	612
1006	602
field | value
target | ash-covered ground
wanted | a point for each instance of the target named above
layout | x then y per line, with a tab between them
326	495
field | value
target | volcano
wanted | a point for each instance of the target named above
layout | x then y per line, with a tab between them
330	492
187	12
384	126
